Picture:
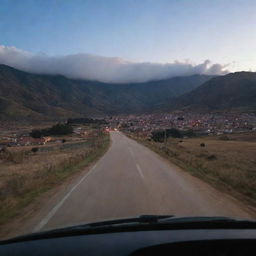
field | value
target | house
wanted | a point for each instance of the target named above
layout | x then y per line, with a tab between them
26	141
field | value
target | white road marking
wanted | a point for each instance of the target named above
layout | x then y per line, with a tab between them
140	171
45	220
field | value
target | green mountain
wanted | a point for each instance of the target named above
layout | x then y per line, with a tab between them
26	96
234	91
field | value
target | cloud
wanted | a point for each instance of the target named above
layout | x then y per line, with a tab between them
104	69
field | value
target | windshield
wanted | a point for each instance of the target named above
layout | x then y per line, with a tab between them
116	109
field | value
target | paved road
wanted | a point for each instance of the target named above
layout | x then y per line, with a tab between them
132	180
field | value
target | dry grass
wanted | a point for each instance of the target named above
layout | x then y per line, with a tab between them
24	175
228	165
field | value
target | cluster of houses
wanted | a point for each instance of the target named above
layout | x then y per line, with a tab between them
80	131
13	140
204	124
26	141
22	138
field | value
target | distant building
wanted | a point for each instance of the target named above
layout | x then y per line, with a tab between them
26	141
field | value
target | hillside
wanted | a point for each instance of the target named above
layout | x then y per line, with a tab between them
25	96
234	91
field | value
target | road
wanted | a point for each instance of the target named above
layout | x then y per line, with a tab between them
131	180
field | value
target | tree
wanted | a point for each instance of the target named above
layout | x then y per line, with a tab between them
61	129
159	136
36	133
189	133
175	133
34	150
57	129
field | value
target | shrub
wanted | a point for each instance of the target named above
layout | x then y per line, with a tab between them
36	133
189	133
211	157
175	133
4	153
159	135
3	149
224	137
34	150
60	129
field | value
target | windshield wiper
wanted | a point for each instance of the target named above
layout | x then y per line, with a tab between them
141	219
89	228
141	223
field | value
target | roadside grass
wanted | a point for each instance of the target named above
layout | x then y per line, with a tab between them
34	173
229	166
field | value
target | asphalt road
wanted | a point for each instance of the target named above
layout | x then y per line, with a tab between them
132	180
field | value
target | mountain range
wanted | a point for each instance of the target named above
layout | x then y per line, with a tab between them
26	96
232	92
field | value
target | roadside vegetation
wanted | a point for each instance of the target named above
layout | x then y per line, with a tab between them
27	172
228	162
57	129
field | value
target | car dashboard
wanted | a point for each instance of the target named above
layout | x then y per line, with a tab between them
155	242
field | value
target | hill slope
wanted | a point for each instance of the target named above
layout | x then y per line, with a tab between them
234	91
25	96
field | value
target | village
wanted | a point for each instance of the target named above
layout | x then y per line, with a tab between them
21	136
201	124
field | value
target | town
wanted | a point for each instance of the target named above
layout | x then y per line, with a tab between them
200	124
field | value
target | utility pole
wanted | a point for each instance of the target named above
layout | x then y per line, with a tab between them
165	138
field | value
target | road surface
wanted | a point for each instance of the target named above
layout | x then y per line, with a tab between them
132	180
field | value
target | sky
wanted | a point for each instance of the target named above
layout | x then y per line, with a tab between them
129	32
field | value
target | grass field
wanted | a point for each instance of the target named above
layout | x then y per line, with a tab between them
25	175
229	165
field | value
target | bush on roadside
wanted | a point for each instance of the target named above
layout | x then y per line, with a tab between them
189	133
212	157
224	137
34	150
160	135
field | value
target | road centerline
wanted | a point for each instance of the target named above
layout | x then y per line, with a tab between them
140	171
177	193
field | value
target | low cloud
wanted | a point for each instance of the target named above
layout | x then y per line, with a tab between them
104	69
